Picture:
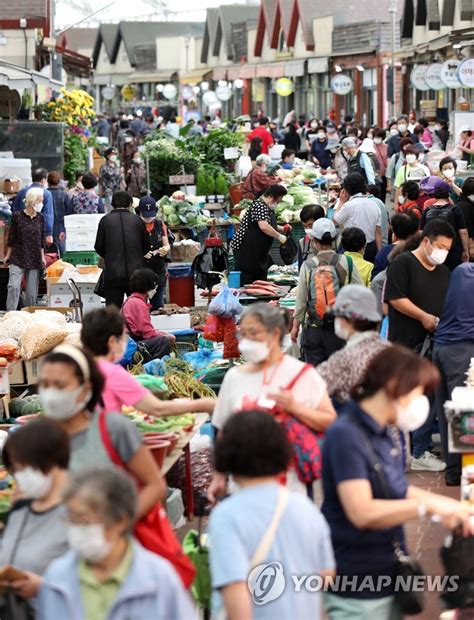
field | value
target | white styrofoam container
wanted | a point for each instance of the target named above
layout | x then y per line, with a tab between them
20	168
171	323
60	295
83	221
80	240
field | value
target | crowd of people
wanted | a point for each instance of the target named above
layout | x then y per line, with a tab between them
383	332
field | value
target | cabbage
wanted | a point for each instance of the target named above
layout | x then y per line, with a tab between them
287	200
173	220
168	209
286	216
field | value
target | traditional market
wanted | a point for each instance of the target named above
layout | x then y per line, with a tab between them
261	208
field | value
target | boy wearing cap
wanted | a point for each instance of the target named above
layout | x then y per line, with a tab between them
159	247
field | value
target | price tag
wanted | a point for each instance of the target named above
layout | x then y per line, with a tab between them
231	153
181	179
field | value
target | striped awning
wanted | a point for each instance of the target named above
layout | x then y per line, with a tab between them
219	73
273	70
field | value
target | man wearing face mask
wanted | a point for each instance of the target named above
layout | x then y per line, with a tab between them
319	152
159	248
402	132
136	176
25	253
40	180
357	161
466	202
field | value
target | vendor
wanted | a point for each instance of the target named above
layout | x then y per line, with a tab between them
253	240
159	248
25	253
287	159
258	180
136	313
103	334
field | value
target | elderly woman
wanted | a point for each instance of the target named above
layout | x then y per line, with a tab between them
270	380
107	574
356	322
257	180
253	240
37	455
25	253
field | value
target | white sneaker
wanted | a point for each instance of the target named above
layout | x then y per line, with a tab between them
427	462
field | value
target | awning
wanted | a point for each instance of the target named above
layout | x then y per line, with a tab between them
318	65
119	79
219	74
294	68
14	77
274	70
149	77
193	77
244	72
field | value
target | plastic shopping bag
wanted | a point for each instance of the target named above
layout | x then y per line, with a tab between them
225	304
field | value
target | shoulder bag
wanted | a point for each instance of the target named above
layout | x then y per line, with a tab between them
153	530
411	602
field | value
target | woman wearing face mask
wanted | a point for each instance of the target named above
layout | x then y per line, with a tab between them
103	334
381	153
136	176
25	253
366	510
70	388
159	248
396	161
413	170
270	379
441	134
37	455
110	177
356	321
447	171
107	574
311	132
466	202
319	153
86	200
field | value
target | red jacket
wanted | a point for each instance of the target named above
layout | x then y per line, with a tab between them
265	135
136	312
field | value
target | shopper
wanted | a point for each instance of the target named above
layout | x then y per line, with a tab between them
427	137
110	177
257	180
396	161
320	154
104	335
292	140
356	322
122	241
453	351
25	252
466	202
70	386
357	161
409	199
447	171
86	200
354	209
373	192
160	248
353	241
442	208
136	176
381	153
271	379
466	143
40	181
107	574
255	148
320	278
367	498
37	455
136	314
258	229
262	131
308	215
413	170
253	449
78	187
61	206
404	225
287	159
393	143
441	134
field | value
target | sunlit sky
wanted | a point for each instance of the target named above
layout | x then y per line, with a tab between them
70	12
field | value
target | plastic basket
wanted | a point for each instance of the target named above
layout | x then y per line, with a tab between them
81	258
181	348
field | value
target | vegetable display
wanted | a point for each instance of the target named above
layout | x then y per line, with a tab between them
148	424
182	213
186	386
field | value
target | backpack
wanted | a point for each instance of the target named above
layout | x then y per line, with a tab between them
445	213
323	288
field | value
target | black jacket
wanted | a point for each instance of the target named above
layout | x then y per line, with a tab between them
122	241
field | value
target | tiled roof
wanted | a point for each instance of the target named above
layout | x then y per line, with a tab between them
218	27
106	35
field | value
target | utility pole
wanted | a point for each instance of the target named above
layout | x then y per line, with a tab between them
392	9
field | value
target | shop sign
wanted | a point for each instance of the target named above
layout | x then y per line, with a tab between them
128	92
449	73
466	73
341	84
433	76
284	87
108	92
417	77
181	179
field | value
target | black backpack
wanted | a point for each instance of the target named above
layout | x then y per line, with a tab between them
445	212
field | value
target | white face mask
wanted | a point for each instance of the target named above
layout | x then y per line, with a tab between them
411	159
33	483
401	199
331	130
38	207
152	293
471	197
339	329
402	128
449	173
62	404
314	125
437	256
378	140
254	351
113	158
321	136
89	541
414	415
308	231
394	131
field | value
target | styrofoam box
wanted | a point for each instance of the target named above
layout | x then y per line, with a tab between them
171	323
83	221
60	295
80	242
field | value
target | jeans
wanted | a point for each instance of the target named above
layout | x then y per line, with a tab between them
14	286
421	438
453	362
345	608
158	300
319	343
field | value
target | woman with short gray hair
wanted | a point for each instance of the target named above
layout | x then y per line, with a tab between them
107	574
257	179
25	254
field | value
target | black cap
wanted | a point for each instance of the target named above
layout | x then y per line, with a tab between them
147	206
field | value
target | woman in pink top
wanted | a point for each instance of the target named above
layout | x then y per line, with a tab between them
103	334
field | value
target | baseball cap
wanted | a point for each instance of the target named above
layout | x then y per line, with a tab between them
330	125
464	128
321	227
147	206
333	143
349	142
367	146
355	301
429	184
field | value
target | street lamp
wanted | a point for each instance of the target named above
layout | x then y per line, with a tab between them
392	9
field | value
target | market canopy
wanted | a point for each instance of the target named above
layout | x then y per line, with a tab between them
16	77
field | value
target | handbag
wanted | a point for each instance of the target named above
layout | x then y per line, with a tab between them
411	602
213	240
99	288
153	530
288	250
456	555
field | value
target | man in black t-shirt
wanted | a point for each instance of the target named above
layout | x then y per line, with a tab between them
417	283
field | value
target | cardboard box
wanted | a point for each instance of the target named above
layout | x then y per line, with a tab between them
172	323
16	373
32	369
31	309
60	295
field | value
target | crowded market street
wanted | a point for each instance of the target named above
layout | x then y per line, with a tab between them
237	310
